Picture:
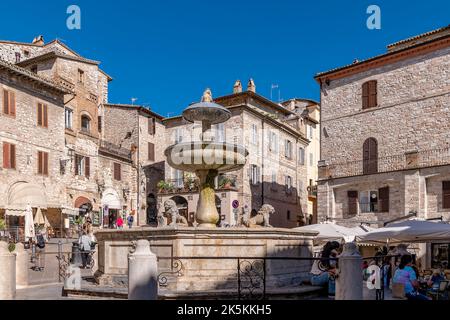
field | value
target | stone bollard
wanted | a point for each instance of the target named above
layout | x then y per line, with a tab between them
349	283
142	273
8	273
21	265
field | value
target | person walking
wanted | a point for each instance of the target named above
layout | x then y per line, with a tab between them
119	222
85	247
130	220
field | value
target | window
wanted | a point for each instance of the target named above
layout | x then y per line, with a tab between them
9	155
42	115
43	163
288	183
117	171
310	132
9	103
370	156
301	156
82	166
288	149
80	76
383	199
85	123
178	135
352	202
311	159
368	201
17	57
68	115
151	126
219	135
273	141
254	174
151	151
178	178
274	177
34	69
99	123
288	215
254	134
445	194
369	94
26	53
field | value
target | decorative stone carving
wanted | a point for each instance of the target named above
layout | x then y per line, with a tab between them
207	96
171	210
237	88
261	219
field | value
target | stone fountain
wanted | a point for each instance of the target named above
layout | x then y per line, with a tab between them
206	158
203	260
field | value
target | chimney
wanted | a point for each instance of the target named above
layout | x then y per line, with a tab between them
251	85
39	40
237	88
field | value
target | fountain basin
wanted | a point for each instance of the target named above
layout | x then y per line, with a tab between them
201	155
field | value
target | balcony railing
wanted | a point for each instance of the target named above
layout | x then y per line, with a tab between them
191	185
113	149
408	160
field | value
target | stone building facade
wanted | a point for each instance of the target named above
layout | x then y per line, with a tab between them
385	134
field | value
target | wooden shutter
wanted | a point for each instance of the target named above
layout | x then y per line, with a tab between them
39	114
12	156
45	115
370	156
40	166
383	198
365	95
12	103
151	151
372	93
117	173
446	194
5	102
77	159
99	124
45	163
87	166
352	202
6	149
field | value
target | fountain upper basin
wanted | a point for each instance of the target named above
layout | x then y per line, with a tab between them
201	155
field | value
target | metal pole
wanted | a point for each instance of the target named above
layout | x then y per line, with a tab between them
59	259
239	278
264	279
33	253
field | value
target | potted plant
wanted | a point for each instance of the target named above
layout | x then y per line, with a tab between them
190	183
161	186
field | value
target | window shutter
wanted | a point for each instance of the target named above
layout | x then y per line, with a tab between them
446	194
99	123
117	171
45	109
6	162
77	159
372	94
12	156
383	198
151	125
12	103
5	102
87	166
151	151
352	202
39	114
365	95
39	162
370	156
45	161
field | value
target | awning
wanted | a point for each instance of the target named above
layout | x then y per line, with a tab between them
111	199
18	211
23	194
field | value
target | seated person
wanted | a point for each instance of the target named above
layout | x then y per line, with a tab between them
406	275
435	279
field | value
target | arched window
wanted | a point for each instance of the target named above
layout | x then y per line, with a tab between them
370	156
85	123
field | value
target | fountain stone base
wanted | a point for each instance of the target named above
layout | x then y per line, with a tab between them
208	257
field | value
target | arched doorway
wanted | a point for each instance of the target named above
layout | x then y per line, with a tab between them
182	206
152	211
112	207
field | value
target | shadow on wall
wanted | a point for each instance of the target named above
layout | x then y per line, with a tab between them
286	202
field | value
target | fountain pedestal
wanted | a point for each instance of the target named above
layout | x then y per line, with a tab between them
207	215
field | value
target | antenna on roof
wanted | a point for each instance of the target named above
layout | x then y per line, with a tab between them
133	100
168	114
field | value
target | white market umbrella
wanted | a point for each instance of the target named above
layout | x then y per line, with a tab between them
29	223
41	219
408	231
331	232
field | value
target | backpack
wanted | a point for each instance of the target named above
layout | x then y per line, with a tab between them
130	219
40	241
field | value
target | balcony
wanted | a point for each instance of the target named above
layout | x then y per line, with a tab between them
312	191
114	150
64	83
406	161
191	184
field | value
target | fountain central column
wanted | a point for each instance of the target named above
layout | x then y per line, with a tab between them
207	215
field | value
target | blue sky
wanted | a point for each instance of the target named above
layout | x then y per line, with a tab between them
166	52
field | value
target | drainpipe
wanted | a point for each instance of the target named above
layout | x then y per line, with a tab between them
262	165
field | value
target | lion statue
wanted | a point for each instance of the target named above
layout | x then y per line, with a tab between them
261	219
171	211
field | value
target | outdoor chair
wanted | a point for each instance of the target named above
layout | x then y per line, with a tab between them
442	292
398	291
